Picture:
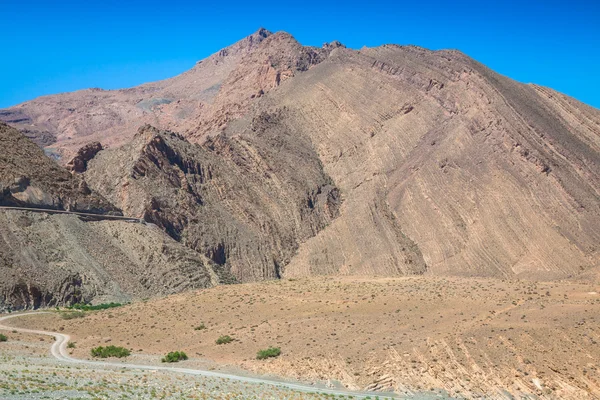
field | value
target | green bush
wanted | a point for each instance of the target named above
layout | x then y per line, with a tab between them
270	352
174	356
71	345
89	307
110	351
200	327
3	338
224	339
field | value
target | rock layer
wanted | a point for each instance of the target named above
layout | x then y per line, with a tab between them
486	176
83	156
54	260
28	178
246	202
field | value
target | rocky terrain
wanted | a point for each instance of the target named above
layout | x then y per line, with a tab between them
246	202
486	176
27	374
271	161
48	260
29	178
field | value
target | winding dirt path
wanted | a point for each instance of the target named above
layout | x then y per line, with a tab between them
59	351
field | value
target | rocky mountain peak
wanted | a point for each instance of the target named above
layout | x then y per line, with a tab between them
261	32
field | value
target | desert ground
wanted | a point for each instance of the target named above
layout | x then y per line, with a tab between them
469	338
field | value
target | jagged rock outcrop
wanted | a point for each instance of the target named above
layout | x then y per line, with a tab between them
278	58
246	202
83	156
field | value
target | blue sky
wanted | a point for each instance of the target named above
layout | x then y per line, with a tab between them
57	46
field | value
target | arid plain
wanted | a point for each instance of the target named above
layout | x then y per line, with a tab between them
474	338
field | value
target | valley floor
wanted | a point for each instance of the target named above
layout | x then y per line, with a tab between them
473	338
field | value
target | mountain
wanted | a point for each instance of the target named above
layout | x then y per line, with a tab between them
487	176
246	202
271	159
55	259
206	97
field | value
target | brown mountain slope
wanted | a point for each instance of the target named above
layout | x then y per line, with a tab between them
29	178
206	97
247	202
48	260
69	120
487	176
442	164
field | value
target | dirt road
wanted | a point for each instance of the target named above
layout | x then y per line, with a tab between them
59	351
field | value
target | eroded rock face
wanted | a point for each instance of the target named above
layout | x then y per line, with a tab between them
84	155
246	202
483	175
278	58
30	179
56	260
48	260
444	167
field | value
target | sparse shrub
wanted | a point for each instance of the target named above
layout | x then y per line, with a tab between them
110	351
72	315
268	353
71	345
3	338
174	356
200	327
224	339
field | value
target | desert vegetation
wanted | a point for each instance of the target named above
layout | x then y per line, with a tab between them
3	338
110	351
224	339
268	353
89	307
375	334
174	356
71	314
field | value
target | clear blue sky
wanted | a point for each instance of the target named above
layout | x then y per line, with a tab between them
55	46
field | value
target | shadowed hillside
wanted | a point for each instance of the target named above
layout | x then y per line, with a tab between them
48	260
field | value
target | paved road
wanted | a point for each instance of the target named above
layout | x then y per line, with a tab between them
80	214
59	351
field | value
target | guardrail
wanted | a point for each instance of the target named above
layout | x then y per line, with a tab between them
81	214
